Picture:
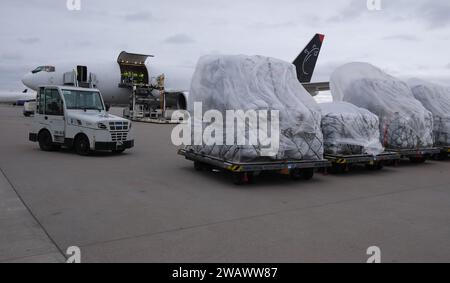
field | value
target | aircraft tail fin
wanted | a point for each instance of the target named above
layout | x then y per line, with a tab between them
306	61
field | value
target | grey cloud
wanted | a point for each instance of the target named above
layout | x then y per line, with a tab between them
139	17
82	43
180	38
105	27
187	64
10	75
436	14
29	40
260	25
404	37
11	56
353	10
433	14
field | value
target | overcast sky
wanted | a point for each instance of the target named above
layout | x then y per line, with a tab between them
405	38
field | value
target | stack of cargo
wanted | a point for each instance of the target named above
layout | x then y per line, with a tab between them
436	99
404	121
258	83
350	130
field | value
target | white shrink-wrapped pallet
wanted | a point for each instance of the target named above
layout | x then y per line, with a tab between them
436	99
349	130
404	121
239	82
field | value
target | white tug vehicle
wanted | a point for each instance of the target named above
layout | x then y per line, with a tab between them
77	118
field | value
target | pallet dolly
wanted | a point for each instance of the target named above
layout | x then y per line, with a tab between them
343	163
420	155
245	172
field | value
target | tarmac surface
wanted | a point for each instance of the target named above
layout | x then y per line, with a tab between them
150	205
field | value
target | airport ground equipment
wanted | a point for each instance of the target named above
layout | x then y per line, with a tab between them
29	108
77	118
127	82
343	163
404	122
245	172
443	154
420	155
436	99
349	130
297	115
149	101
148	104
145	98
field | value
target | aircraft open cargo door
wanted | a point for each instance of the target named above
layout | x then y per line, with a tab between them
132	68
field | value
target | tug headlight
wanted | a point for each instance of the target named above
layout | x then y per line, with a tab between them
102	126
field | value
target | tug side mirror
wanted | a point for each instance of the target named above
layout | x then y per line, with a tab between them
107	106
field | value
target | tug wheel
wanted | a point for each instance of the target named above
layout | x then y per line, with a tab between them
82	146
45	141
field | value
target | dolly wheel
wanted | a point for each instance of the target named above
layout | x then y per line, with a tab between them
418	160
375	166
307	174
242	178
250	178
379	166
198	166
440	156
296	174
338	168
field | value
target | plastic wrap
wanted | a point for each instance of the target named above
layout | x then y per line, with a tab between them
404	122
349	130
436	99
258	83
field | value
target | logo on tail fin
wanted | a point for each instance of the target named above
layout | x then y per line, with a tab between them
309	53
307	59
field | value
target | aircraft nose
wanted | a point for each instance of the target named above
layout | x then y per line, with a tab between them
27	80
